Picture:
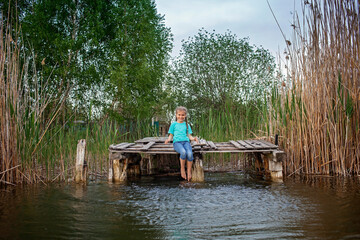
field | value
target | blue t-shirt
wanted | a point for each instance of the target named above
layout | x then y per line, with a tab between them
179	131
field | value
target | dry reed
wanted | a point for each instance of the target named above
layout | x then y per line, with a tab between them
9	93
317	113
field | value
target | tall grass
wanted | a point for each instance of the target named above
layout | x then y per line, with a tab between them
317	112
9	93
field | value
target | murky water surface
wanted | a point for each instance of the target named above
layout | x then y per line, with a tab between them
226	206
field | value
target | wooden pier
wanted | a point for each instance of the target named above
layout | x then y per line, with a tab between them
151	155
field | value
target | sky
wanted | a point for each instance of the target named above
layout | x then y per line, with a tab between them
245	18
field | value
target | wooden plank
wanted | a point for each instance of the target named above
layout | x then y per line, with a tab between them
258	143
147	146
151	139
154	152
206	146
268	143
244	144
229	148
125	146
239	151
237	145
162	149
254	144
212	145
202	142
117	145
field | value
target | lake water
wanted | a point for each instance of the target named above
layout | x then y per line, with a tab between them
227	206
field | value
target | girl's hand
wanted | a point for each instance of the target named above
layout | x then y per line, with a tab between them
195	139
167	141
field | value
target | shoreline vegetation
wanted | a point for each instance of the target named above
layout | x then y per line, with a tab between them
317	111
315	108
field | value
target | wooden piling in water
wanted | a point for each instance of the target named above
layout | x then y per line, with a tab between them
197	174
80	165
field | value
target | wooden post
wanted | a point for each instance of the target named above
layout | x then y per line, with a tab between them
151	165
197	170
274	165
144	164
123	175
116	169
111	172
80	167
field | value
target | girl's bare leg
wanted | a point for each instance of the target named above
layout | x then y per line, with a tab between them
189	165
182	168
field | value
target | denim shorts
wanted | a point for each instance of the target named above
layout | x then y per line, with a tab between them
185	150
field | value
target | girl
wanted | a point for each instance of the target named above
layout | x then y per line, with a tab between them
180	130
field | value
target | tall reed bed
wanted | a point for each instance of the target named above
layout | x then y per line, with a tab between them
317	112
234	122
9	93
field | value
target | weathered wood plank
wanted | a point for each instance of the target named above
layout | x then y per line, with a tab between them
258	143
268	143
212	145
239	151
244	144
202	142
147	146
126	145
151	139
152	149
117	145
254	144
237	145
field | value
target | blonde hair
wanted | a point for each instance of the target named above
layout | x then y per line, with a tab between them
183	109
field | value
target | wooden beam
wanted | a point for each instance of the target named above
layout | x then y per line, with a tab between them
212	145
147	146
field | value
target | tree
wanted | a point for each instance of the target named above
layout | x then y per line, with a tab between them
139	59
108	54
215	69
68	41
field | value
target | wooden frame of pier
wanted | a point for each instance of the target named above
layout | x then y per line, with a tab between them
143	156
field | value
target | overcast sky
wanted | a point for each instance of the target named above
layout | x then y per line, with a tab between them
245	18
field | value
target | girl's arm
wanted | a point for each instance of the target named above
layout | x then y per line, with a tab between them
193	138
169	138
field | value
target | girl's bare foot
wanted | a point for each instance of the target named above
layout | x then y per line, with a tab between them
189	175
183	174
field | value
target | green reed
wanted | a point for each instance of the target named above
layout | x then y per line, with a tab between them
234	122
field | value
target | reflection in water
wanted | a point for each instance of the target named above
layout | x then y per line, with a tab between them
227	205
